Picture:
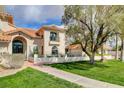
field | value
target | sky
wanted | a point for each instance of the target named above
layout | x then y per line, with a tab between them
31	16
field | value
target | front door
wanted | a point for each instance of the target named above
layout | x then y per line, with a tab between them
17	46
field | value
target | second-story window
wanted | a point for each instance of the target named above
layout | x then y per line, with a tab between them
53	36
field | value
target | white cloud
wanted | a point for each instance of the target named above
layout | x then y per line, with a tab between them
36	13
32	13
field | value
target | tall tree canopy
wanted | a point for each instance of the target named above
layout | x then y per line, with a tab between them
91	26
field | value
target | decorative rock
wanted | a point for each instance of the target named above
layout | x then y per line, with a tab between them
12	61
5	62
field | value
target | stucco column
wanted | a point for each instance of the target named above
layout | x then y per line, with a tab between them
10	48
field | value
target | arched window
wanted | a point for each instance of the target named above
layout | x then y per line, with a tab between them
54	51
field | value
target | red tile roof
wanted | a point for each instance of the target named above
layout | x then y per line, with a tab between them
53	28
28	31
74	46
78	46
4	38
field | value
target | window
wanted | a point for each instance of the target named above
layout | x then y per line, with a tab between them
54	51
53	36
41	36
35	49
42	50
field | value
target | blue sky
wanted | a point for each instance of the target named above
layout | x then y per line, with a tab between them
32	16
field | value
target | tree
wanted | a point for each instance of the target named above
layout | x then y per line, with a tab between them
122	49
102	53
120	22
90	26
117	49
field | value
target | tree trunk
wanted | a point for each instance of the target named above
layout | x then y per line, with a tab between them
102	54
116	55
92	58
122	49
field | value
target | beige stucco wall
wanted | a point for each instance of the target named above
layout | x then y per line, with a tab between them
60	45
3	47
4	26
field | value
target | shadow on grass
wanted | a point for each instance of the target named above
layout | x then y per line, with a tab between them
80	65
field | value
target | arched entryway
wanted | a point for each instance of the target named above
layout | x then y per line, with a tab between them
19	45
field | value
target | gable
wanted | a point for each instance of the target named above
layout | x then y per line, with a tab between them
27	32
20	33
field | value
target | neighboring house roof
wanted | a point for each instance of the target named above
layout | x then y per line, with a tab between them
28	31
73	46
78	46
4	38
107	47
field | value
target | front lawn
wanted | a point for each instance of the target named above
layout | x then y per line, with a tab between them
30	78
110	71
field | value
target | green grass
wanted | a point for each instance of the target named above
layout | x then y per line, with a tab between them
111	71
30	78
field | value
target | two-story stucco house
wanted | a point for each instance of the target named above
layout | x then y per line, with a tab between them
50	40
53	40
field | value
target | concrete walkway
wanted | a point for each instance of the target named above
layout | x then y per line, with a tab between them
80	80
